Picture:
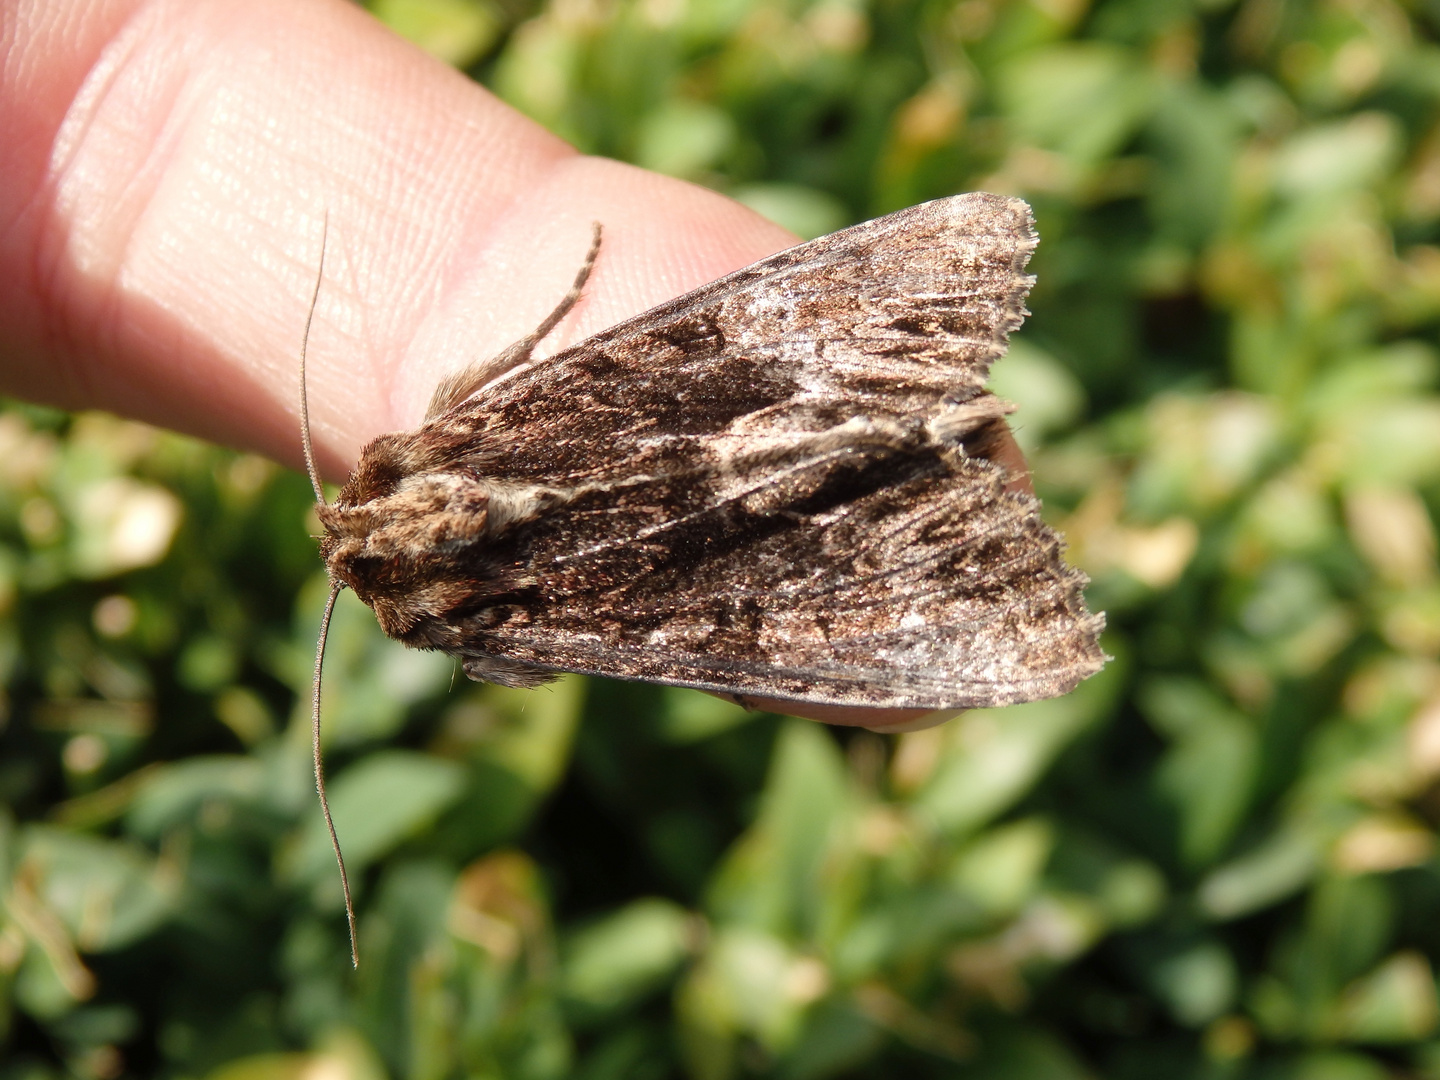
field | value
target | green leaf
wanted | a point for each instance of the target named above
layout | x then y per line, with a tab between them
1396	1003
1001	868
1277	867
1080	99
1199	983
369	681
788	873
1209	771
991	757
456	31
174	794
619	959
106	893
806	212
380	801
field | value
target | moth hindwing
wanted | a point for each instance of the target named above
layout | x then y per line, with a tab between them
786	484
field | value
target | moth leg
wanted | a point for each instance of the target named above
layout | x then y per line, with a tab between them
503	672
455	388
956	423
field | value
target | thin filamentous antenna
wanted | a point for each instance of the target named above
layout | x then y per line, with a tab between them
320	775
335	588
304	346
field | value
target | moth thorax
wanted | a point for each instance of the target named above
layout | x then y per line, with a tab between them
424	516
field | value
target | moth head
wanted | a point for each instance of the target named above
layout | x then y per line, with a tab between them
393	536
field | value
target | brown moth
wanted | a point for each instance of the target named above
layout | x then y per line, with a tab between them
783	484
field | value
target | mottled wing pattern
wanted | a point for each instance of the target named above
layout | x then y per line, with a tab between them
893	317
894	577
760	487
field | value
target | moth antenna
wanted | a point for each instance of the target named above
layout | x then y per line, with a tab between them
455	388
304	399
572	297
320	774
314	474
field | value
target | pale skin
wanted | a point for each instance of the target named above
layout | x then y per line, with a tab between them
165	166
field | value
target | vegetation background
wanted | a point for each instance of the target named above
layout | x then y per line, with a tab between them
1217	859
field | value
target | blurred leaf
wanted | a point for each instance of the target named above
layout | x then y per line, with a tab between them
106	894
1195	133
1049	398
1395	1003
788	872
1019	1054
1000	870
1081	100
988	758
376	803
1338	1066
1199	984
1397	443
806	212
346	1057
690	715
456	31
533	741
1210	769
369	679
749	982
121	524
1276	868
684	138
626	955
173	794
1355	152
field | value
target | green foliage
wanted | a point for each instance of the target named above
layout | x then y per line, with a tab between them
1216	859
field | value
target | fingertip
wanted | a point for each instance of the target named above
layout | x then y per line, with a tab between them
883	721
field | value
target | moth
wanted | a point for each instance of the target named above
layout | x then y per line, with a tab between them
785	484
